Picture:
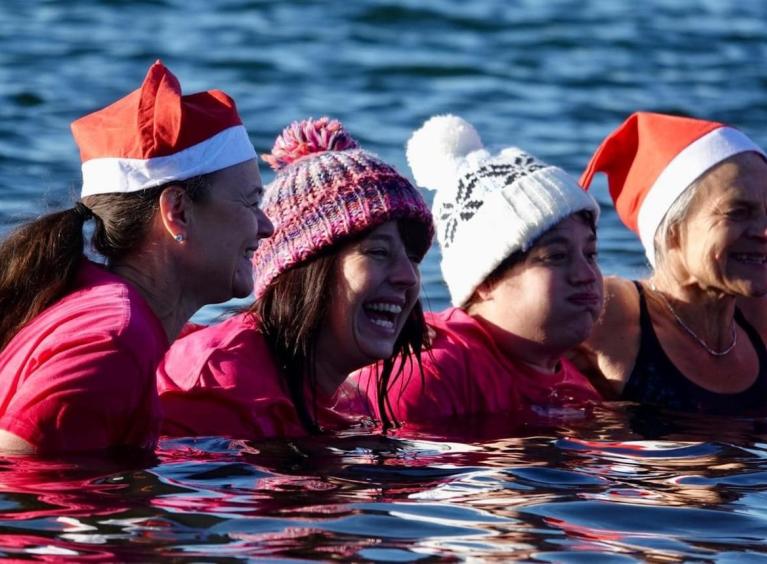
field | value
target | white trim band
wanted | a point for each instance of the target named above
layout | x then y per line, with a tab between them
114	175
686	167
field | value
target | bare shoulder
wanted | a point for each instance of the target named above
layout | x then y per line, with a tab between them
14	445
621	308
608	355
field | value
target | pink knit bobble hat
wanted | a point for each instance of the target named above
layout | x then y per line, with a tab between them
327	189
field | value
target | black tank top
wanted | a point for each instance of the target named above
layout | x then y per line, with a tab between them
656	380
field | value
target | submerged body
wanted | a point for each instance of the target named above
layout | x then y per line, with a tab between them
80	375
466	372
223	380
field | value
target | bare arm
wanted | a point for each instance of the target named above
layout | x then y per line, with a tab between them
12	444
608	356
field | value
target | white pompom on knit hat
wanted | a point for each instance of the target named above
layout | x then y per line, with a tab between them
486	206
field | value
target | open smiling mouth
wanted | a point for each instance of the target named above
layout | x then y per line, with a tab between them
750	258
383	314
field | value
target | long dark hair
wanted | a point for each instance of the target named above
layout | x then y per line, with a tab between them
40	259
291	312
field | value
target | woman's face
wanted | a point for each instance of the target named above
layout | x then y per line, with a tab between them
376	286
723	240
554	295
227	229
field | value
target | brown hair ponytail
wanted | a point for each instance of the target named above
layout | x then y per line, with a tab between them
39	260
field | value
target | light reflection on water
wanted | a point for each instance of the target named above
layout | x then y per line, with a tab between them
578	491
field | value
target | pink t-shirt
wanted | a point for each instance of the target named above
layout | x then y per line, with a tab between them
80	376
223	380
465	373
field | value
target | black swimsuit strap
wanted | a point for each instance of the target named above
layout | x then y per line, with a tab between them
756	341
644	314
657	380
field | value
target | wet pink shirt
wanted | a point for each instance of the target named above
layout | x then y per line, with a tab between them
80	376
465	373
223	380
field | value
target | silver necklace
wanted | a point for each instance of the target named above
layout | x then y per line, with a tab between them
692	334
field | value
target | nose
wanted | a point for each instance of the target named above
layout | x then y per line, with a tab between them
584	270
759	227
404	272
265	225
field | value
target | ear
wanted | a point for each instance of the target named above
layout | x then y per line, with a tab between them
175	211
674	237
484	291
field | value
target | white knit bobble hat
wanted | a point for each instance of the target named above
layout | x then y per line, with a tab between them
486	207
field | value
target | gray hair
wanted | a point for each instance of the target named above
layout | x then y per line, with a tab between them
674	217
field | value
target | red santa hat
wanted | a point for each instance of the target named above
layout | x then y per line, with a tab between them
154	135
651	159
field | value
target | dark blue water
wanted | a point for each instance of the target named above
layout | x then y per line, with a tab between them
552	77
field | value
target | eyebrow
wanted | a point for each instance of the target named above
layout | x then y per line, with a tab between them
562	240
379	236
553	240
742	203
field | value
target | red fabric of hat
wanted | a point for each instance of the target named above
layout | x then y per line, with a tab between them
634	155
650	159
154	135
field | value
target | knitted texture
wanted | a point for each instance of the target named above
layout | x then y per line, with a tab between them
486	206
326	190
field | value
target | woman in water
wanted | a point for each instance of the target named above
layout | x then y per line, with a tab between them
694	192
337	288
518	242
172	187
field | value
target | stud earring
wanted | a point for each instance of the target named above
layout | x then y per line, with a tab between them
179	237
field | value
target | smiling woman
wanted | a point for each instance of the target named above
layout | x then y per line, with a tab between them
166	179
336	289
694	192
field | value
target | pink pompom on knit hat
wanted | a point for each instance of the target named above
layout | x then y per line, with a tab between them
327	189
154	135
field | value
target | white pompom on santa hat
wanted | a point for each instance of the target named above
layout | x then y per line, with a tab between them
154	136
650	159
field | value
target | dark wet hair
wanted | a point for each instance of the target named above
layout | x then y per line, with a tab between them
40	258
292	309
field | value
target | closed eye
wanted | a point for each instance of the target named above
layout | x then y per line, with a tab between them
738	213
378	252
254	198
414	258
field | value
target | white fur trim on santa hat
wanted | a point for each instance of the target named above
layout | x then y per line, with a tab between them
436	151
114	175
686	167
